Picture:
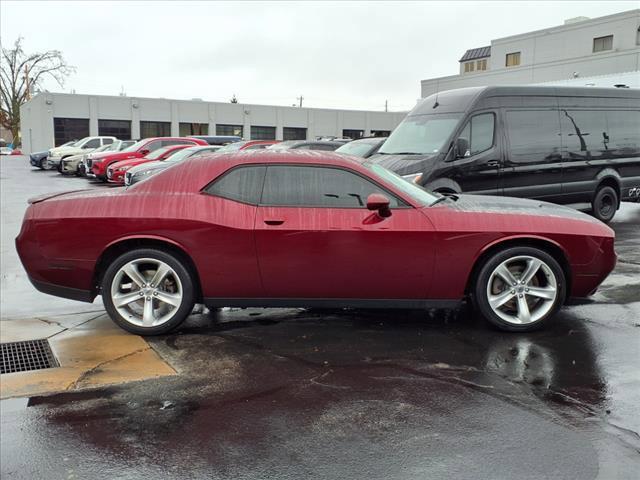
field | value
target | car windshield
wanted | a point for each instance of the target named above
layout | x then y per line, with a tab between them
421	134
416	192
357	148
283	145
232	147
104	148
181	154
136	146
157	153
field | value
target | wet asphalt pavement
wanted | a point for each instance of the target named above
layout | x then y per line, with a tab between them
290	394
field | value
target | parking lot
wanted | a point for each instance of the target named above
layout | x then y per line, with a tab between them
294	393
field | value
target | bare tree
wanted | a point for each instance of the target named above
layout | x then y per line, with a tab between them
22	73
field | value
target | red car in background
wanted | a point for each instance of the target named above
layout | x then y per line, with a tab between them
98	166
308	229
116	171
247	145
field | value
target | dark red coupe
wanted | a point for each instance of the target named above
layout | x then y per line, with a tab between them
307	229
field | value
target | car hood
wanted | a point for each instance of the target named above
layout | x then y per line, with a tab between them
128	162
116	157
508	214
402	164
153	165
58	151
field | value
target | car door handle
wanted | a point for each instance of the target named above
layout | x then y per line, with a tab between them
274	222
493	163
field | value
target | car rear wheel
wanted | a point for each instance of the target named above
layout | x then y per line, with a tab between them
148	291
605	203
41	163
519	289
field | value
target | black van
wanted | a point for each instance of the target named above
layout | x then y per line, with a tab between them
578	146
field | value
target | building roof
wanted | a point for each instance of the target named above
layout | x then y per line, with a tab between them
473	53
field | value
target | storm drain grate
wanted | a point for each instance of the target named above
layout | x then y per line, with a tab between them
25	356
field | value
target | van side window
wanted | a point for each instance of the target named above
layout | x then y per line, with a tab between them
583	131
479	132
624	131
534	135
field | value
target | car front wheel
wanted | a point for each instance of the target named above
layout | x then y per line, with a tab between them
519	289
148	291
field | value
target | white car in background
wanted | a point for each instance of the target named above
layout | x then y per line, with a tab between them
85	145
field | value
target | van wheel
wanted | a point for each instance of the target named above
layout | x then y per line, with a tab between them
148	291
519	289
605	203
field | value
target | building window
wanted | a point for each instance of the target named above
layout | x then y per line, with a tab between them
353	134
293	133
263	133
155	129
231	130
115	128
188	129
468	67
513	59
602	44
481	64
67	129
380	133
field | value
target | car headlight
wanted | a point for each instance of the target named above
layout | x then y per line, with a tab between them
414	177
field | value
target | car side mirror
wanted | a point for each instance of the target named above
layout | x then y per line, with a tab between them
144	151
379	203
461	148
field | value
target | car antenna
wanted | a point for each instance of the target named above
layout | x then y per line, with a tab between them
435	105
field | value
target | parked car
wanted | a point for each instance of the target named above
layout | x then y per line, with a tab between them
116	171
578	146
144	171
75	165
364	147
98	166
247	145
38	159
86	145
312	229
84	169
217	139
5	150
325	145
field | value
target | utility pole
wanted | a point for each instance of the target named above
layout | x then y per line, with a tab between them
386	105
300	98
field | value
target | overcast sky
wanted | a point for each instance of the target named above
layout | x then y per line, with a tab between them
342	55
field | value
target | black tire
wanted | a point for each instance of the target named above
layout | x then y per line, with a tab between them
480	295
41	163
59	167
605	203
178	266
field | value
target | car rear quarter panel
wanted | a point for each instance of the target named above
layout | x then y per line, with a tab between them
224	252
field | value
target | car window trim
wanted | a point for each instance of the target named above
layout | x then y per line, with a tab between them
404	205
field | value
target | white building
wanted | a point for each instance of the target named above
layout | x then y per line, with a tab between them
54	118
601	51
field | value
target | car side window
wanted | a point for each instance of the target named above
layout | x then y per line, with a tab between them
107	141
479	133
93	143
310	186
259	146
166	143
242	184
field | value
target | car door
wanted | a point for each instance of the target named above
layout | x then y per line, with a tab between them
532	167
316	239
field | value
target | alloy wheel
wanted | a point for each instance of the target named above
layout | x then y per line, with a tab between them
146	292
522	290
